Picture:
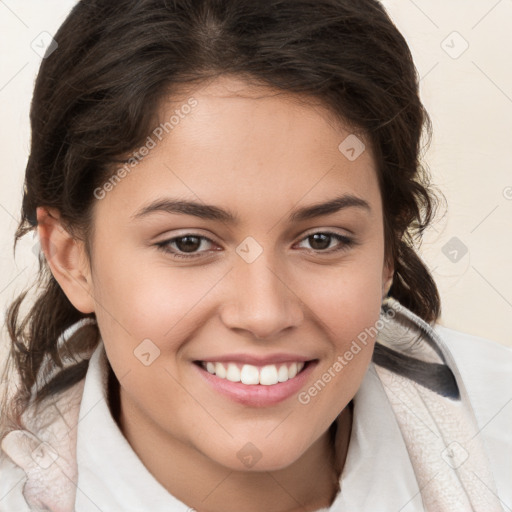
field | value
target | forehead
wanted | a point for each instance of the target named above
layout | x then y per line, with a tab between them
244	144
235	107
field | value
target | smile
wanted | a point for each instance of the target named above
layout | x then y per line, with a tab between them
256	385
251	375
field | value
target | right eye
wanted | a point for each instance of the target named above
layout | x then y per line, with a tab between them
186	246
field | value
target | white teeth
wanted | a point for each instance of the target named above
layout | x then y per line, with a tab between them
251	375
233	373
268	375
220	371
282	374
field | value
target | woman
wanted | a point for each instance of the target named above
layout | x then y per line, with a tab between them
232	314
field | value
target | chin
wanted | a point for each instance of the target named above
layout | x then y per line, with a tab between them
256	456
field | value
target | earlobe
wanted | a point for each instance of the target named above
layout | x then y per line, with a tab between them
387	279
386	288
66	259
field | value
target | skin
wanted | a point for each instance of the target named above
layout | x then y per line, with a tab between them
260	155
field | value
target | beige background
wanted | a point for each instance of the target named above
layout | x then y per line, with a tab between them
463	51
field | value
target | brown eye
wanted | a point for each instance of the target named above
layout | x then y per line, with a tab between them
186	246
321	242
188	243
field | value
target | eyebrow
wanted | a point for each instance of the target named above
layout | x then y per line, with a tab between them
211	212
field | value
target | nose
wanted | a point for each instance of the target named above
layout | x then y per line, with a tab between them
262	300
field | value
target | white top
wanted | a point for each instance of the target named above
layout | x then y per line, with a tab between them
378	475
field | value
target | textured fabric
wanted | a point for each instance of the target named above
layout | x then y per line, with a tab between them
416	442
439	429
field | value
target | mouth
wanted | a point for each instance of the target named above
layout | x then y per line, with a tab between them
256	385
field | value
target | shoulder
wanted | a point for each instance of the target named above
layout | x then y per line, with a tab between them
12	480
37	462
480	361
485	369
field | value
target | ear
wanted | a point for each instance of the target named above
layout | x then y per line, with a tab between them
67	259
387	277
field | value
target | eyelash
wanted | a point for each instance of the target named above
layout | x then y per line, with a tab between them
347	243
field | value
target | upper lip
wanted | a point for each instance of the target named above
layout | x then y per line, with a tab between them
257	360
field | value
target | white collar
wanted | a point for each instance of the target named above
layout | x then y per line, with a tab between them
110	475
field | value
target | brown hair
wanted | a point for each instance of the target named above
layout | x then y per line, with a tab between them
97	95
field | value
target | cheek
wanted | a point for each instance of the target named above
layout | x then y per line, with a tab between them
138	301
347	299
352	321
350	315
147	296
347	303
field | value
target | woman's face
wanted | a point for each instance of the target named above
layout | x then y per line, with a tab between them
245	272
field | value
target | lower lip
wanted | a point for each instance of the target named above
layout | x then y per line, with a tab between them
258	395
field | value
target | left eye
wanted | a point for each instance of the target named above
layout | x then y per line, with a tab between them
320	239
187	246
